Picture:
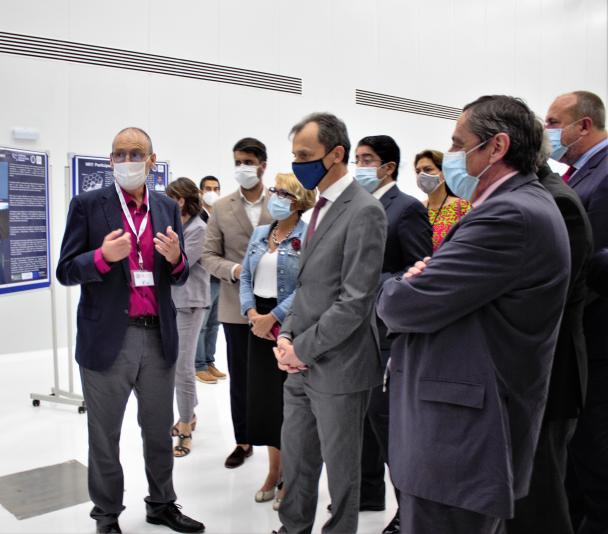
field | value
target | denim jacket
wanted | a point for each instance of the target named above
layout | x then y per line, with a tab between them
288	265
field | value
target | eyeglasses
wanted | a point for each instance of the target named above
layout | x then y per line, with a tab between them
366	161
281	193
134	155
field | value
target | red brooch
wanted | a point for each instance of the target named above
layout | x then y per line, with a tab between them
296	244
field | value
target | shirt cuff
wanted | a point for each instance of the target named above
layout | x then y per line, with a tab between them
232	277
180	266
100	264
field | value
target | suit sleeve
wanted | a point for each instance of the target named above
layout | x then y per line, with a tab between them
246	286
598	273
179	278
483	258
76	260
213	252
361	268
580	240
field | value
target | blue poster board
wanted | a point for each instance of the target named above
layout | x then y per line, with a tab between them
93	172
24	220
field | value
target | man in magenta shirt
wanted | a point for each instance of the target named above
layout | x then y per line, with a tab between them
123	245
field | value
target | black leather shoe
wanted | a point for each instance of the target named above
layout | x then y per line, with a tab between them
112	528
237	457
394	527
170	516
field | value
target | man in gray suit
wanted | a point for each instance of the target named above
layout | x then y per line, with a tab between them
228	232
477	326
329	343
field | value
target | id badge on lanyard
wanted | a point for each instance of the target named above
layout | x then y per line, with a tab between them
140	277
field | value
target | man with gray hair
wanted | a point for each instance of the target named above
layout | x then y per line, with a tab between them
476	328
576	125
328	342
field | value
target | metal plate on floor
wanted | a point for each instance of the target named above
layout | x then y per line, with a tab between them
46	489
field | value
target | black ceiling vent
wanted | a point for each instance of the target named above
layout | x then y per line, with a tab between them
397	103
41	47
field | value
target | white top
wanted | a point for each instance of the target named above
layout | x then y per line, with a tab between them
381	190
265	281
332	193
253	209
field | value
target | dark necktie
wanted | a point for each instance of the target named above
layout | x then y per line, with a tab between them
571	170
313	220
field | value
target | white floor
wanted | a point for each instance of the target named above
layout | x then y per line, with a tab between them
53	433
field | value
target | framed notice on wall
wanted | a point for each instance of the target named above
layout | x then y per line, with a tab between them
24	220
94	172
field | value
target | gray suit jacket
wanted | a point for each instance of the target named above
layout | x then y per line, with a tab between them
470	368
195	293
228	233
330	321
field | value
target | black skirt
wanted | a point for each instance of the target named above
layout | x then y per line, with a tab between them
264	387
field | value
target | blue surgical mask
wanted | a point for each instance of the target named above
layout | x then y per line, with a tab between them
367	177
558	151
310	173
457	178
279	208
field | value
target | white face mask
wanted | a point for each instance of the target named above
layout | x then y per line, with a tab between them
210	197
130	175
246	176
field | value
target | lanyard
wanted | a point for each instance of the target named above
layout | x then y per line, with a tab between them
142	226
439	210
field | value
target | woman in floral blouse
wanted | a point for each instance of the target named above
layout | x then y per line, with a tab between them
445	209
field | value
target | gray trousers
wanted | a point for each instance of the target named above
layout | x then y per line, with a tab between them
140	367
317	428
189	322
420	516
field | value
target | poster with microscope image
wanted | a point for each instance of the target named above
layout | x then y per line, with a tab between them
92	172
24	220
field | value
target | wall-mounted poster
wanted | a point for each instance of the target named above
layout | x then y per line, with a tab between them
24	220
92	172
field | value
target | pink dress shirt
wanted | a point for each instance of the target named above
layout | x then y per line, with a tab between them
142	300
484	196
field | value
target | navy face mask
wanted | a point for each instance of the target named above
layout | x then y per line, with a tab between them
310	173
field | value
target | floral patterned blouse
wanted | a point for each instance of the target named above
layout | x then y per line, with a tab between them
446	217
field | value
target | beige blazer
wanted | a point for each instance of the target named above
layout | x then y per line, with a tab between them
228	233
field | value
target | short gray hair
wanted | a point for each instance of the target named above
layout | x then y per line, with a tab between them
138	130
589	105
332	131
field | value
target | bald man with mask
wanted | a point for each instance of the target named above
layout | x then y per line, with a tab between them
123	245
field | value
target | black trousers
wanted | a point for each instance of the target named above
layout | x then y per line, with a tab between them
375	446
237	341
587	481
545	508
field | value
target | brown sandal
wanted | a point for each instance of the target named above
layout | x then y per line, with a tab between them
180	447
175	430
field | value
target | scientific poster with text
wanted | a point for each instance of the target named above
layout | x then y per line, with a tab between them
24	220
94	172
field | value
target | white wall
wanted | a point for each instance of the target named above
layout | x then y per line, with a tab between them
445	51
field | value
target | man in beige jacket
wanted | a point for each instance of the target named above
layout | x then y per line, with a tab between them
228	233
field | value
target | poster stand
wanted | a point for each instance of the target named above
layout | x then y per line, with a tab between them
57	394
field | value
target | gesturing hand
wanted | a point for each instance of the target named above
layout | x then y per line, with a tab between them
417	269
116	245
168	245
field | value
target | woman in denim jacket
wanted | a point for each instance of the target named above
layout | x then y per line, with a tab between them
267	289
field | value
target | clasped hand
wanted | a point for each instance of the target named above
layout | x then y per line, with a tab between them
286	357
261	325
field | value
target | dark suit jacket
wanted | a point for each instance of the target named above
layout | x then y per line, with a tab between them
568	383
409	238
591	184
103	310
598	274
470	368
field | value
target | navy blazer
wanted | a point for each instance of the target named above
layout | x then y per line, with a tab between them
591	184
470	366
103	310
409	238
